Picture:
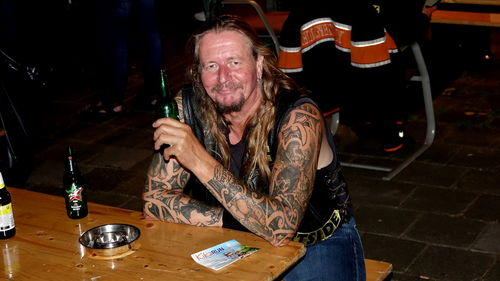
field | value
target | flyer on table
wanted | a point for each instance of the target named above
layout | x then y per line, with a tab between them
222	255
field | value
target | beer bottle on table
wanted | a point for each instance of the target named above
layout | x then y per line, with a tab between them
7	226
75	194
167	107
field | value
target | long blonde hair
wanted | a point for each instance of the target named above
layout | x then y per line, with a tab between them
263	121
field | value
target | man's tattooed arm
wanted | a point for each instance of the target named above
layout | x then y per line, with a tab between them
276	217
164	200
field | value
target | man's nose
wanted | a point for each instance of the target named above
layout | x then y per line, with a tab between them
223	74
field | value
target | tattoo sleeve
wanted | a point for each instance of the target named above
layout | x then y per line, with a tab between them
276	216
165	201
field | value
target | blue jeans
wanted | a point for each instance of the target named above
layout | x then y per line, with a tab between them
338	258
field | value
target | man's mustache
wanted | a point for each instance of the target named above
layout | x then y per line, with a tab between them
228	85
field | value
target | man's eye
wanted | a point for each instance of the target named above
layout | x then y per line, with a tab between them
211	66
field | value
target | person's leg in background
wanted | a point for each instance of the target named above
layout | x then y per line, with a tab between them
395	119
8	27
112	53
376	98
377	106
149	35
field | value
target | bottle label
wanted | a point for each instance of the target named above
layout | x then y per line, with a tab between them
6	218
75	197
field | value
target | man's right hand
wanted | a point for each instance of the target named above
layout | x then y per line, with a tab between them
184	147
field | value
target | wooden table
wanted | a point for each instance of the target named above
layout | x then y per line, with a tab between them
46	247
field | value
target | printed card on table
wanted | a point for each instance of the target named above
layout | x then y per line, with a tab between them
222	255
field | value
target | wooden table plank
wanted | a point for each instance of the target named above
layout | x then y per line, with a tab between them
46	246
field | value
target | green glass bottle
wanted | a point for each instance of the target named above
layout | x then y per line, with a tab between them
75	191
7	225
167	107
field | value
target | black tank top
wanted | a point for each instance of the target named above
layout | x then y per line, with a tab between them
237	153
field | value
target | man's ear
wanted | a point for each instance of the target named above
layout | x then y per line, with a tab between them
260	65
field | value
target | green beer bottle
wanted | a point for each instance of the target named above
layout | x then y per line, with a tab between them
167	107
75	192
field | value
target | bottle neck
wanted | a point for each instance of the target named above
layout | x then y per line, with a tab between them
71	166
2	184
165	89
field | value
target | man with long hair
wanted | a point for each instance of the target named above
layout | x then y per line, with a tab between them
252	153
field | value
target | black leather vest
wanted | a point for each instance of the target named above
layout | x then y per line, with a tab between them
330	204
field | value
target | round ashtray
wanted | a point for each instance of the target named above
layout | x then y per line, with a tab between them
110	240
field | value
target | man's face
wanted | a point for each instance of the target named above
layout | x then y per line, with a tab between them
228	70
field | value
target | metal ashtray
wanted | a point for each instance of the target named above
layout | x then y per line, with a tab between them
110	240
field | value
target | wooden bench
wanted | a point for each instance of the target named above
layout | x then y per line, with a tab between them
488	16
377	270
466	18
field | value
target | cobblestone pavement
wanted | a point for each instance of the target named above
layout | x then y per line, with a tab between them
436	220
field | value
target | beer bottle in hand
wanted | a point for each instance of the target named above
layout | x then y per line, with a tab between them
167	107
7	226
75	194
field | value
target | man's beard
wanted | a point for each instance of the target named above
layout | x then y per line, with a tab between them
235	107
226	109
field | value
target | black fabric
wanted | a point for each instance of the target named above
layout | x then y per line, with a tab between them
20	90
320	64
373	94
237	153
403	20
